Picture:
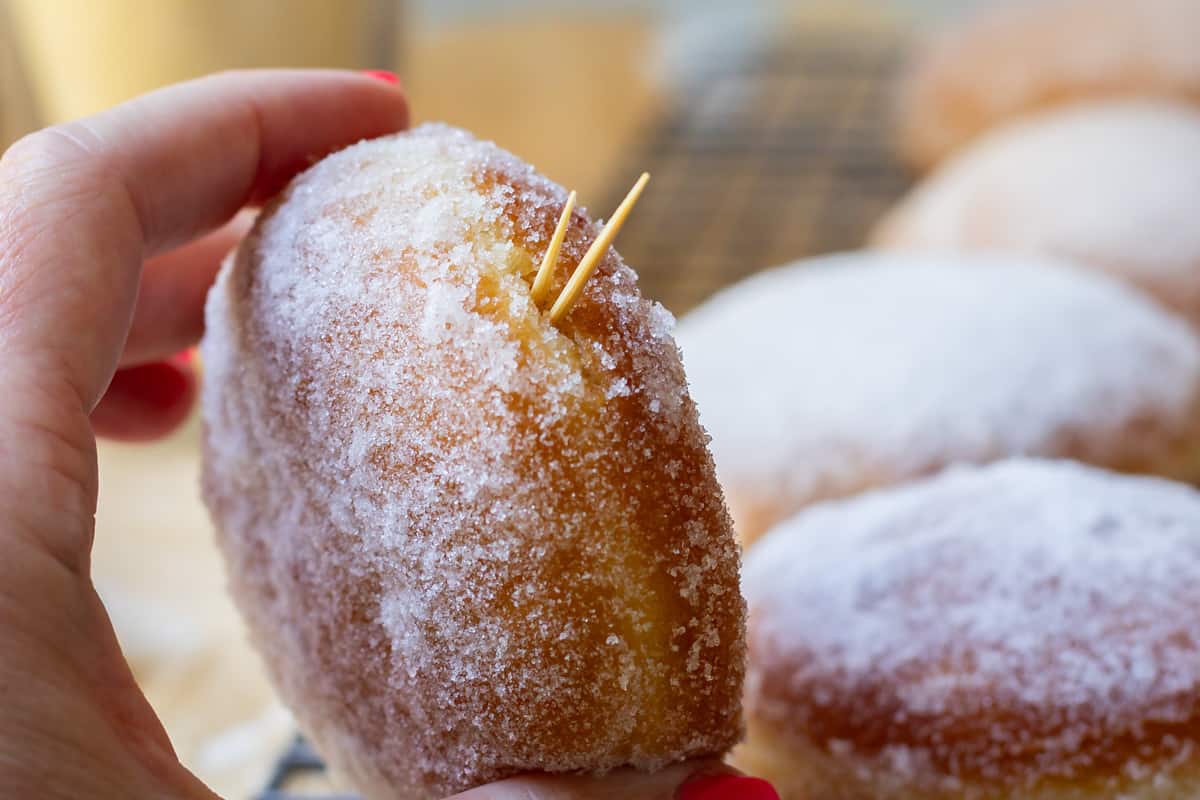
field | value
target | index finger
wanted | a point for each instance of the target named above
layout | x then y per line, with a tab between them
86	202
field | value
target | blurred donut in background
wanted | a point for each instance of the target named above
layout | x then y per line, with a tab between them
1114	186
1024	630
845	373
1014	58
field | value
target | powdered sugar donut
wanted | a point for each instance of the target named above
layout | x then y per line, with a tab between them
1115	186
468	543
1025	630
851	372
1018	57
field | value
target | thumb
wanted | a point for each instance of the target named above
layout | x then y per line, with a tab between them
692	780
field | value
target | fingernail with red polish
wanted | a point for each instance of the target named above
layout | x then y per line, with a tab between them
727	787
184	357
158	385
381	75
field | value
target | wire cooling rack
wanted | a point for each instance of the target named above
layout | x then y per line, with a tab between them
763	160
299	775
759	161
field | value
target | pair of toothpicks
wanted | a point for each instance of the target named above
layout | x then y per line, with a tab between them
590	260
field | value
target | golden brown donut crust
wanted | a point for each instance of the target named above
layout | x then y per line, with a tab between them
1147	445
858	371
468	544
794	765
975	708
1108	185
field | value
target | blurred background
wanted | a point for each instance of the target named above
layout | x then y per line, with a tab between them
731	105
765	125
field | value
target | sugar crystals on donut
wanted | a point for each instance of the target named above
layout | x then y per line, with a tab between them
469	541
1024	630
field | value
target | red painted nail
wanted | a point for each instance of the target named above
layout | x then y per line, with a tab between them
727	787
381	75
184	357
160	385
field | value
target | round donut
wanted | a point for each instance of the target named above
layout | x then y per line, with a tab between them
1114	186
468	542
1022	631
1018	57
851	372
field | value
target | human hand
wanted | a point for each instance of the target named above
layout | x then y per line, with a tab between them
111	230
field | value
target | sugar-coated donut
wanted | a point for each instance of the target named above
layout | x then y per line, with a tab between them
1115	186
850	372
1022	631
468	543
1017	57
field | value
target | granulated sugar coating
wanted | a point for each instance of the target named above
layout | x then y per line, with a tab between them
1025	630
850	372
468	543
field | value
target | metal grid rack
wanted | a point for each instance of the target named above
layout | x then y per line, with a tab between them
299	774
761	161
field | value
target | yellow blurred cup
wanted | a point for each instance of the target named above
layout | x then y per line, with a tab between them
82	56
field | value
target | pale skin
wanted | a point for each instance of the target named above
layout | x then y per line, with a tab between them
111	230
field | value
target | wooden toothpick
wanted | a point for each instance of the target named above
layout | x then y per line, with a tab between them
591	259
545	273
